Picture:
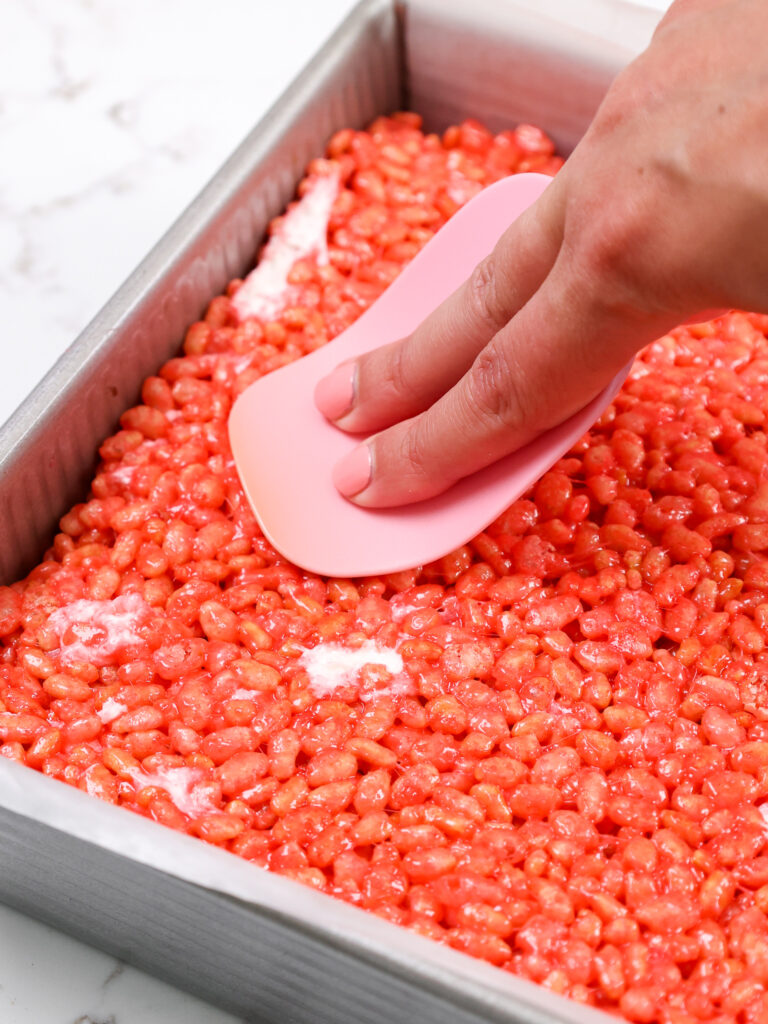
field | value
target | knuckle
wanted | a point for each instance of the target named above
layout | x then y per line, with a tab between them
382	385
614	273
607	251
422	454
397	375
633	92
417	453
414	455
494	390
485	295
385	376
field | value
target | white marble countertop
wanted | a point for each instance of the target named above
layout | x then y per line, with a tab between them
113	115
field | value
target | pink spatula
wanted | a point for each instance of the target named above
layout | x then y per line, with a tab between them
285	449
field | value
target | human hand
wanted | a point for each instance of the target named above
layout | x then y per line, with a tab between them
660	212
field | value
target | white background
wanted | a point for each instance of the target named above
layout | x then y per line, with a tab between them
113	114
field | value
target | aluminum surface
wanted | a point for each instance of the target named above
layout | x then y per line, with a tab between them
259	945
255	943
504	62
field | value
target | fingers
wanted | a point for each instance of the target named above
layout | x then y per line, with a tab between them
406	377
556	355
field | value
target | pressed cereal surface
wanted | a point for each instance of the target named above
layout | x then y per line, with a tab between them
549	749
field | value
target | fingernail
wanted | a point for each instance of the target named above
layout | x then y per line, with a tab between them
352	474
335	393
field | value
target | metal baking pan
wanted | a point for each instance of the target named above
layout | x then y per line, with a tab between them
256	944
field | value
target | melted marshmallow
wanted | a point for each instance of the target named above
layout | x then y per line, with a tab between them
402	611
95	631
330	666
250	695
302	233
185	787
91	788
238	363
110	710
460	188
124	475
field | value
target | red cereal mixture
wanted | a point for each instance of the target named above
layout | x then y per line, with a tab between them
548	749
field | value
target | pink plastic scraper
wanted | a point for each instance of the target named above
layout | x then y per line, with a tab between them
285	449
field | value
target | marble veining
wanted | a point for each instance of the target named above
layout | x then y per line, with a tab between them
112	117
49	978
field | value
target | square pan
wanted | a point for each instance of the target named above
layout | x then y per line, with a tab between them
257	944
